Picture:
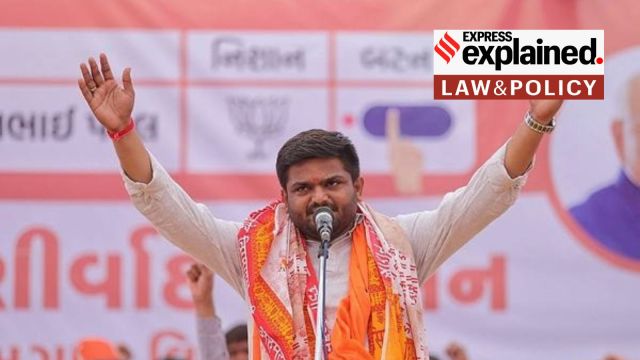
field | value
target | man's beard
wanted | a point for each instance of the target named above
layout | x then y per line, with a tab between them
343	220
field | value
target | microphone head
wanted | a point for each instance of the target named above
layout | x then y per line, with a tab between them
323	217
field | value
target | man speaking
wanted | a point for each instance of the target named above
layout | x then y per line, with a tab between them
376	263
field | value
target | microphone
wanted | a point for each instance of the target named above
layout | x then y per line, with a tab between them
324	222
324	225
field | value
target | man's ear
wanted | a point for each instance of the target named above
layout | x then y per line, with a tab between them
283	195
617	131
359	186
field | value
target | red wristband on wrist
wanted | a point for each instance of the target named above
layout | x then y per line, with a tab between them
115	136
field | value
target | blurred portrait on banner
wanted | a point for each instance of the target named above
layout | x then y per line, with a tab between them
600	186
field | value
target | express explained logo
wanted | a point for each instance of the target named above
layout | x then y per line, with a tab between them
517	53
447	47
519	64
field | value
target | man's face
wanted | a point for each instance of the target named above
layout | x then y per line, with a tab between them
321	182
631	132
238	350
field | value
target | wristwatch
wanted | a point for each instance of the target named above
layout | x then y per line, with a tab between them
536	126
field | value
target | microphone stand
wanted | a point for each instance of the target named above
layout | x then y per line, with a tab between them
323	254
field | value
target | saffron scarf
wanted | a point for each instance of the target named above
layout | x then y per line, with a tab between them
381	308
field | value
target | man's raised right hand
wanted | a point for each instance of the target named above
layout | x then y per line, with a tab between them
111	103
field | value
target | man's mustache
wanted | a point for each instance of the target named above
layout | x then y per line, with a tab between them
312	209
